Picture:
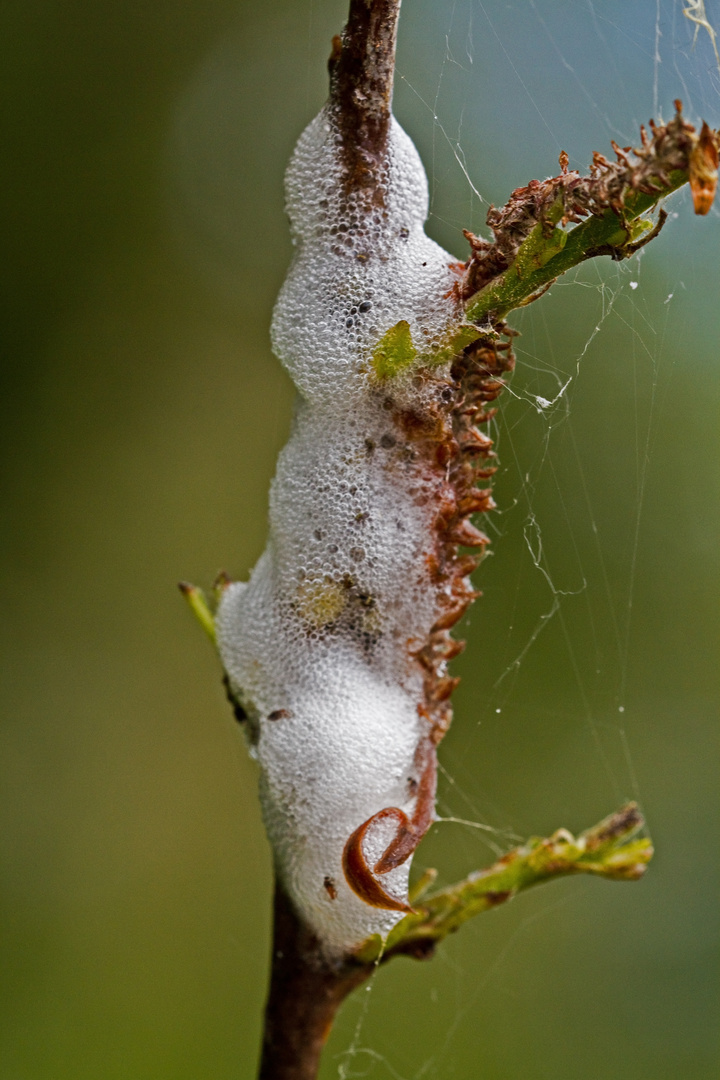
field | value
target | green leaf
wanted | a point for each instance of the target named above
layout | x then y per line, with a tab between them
394	351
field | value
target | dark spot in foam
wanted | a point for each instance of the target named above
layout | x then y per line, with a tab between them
238	711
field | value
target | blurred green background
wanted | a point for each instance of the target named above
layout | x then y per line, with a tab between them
144	240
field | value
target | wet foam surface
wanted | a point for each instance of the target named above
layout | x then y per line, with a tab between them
321	634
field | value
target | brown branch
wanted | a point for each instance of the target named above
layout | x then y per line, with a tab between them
362	66
306	992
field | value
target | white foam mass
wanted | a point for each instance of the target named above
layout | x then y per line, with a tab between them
316	645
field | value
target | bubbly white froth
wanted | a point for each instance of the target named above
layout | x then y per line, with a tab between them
321	634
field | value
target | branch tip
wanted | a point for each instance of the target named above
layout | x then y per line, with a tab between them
199	607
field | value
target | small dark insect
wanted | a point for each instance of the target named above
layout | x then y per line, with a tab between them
329	887
280	714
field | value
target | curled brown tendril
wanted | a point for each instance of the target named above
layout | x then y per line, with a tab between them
361	878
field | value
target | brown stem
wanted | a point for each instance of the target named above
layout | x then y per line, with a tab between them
306	991
362	66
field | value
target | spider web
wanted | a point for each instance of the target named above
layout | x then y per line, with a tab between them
491	90
560	693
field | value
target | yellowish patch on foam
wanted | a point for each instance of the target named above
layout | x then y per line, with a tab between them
320	602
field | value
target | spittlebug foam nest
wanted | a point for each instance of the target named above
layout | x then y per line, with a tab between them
328	627
337	648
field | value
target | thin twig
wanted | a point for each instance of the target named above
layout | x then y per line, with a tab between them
610	849
362	66
306	990
530	249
